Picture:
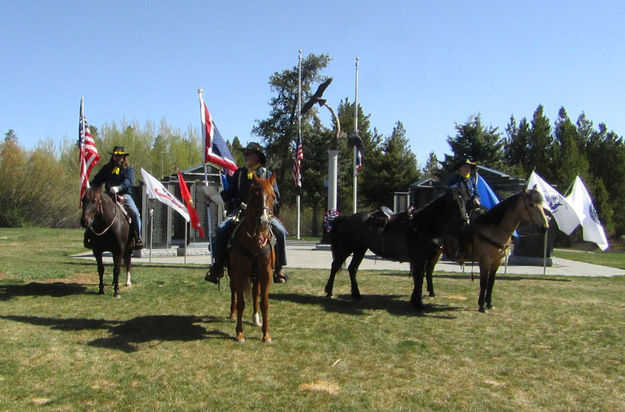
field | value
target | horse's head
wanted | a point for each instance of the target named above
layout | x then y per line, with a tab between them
91	206
457	206
260	201
532	209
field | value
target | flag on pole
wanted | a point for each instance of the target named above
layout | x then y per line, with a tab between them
215	149
155	190
563	212
89	155
298	154
488	198
582	202
186	196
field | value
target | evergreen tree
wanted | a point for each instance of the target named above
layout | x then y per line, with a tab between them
392	172
483	145
568	155
539	147
432	167
515	150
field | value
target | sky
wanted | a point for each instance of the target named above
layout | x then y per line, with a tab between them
429	64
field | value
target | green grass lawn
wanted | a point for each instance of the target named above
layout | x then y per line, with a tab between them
552	343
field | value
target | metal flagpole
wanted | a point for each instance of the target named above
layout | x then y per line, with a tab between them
299	139
200	93
545	254
356	134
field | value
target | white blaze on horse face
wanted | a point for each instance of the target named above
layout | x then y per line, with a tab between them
265	216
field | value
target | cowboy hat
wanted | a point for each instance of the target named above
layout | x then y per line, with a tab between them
256	148
119	150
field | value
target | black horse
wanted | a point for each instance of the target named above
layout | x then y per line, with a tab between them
413	236
109	231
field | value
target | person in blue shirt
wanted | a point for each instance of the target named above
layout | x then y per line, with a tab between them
464	178
118	177
235	194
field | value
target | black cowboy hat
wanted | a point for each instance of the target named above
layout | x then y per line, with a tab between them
119	150
256	148
466	161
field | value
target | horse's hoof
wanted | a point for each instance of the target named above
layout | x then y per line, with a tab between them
118	296
356	296
128	284
101	292
490	307
432	294
268	341
482	309
239	339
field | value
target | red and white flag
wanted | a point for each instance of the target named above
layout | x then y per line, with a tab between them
88	152
155	190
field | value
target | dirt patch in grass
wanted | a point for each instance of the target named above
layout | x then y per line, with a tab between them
320	386
78	278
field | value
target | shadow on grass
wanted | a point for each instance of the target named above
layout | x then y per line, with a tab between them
56	289
394	304
187	266
129	335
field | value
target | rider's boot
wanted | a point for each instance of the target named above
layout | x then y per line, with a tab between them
215	273
279	275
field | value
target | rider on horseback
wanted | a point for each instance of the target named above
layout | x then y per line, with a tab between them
118	177
236	193
463	179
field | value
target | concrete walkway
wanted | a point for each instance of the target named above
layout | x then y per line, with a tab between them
308	255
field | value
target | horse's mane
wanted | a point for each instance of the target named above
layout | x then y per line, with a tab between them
497	213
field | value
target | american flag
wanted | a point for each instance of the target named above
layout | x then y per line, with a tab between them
88	152
298	156
215	149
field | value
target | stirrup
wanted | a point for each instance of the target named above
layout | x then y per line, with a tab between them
214	275
280	276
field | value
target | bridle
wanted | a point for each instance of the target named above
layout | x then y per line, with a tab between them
100	210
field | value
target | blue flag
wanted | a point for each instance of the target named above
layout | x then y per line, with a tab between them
488	198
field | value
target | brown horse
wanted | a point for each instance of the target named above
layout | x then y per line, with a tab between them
109	231
491	235
252	257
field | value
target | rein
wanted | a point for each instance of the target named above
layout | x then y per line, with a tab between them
101	211
502	246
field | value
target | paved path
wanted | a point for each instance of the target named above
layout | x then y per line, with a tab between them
307	255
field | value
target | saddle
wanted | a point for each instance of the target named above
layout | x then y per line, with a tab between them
379	218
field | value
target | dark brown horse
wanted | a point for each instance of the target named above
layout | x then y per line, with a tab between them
413	237
252	257
491	235
109	231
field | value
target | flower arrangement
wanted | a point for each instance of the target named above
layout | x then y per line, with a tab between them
328	218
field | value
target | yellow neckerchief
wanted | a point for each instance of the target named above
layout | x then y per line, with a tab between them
251	170
465	176
115	171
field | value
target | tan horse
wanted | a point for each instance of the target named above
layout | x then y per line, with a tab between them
252	257
491	235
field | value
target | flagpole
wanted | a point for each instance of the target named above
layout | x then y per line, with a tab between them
299	138
356	134
200	93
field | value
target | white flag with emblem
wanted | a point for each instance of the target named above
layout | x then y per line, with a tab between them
582	202
563	212
155	190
